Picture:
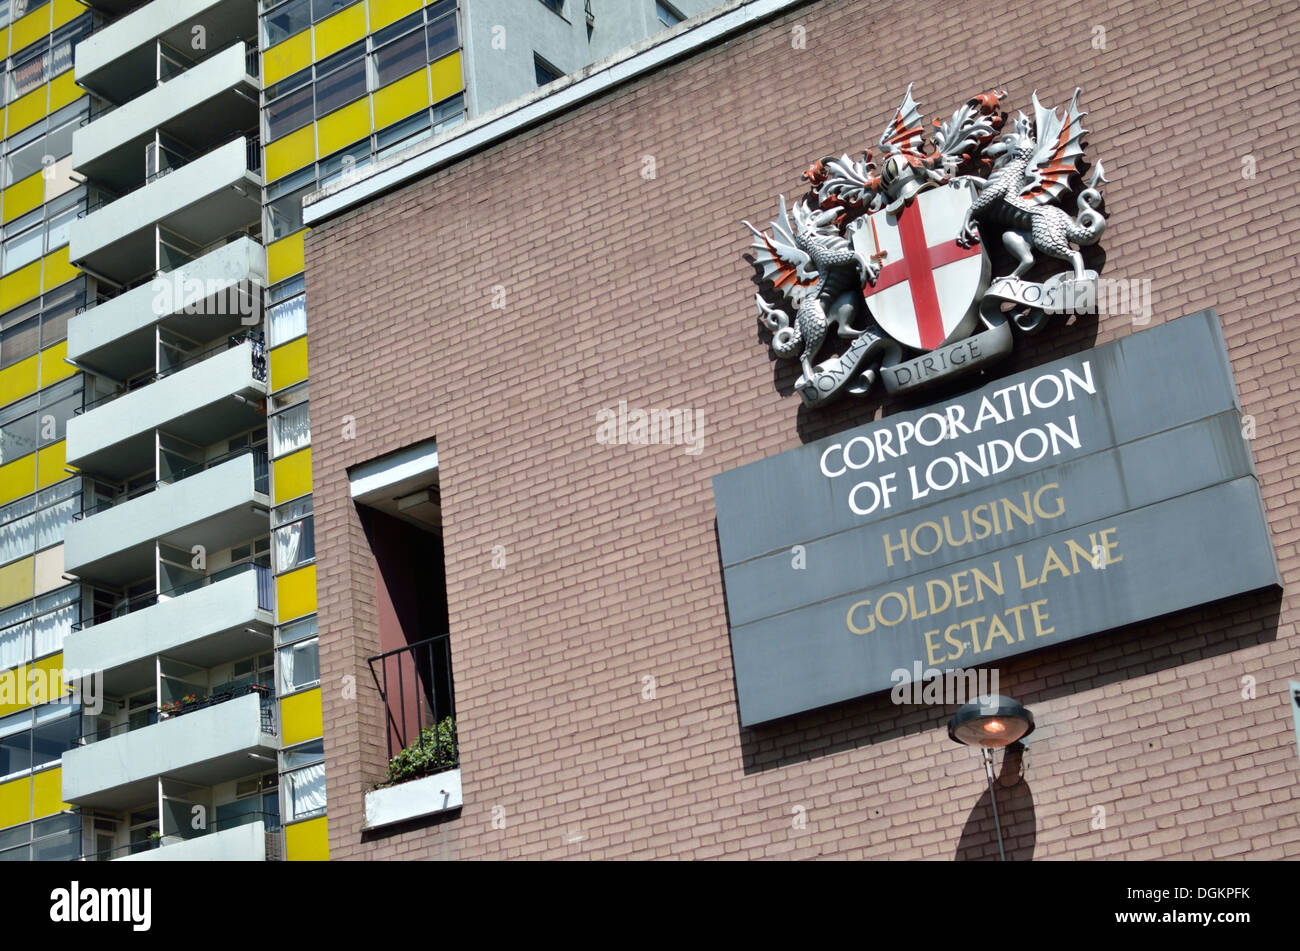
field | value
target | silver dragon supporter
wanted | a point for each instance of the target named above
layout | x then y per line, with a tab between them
892	255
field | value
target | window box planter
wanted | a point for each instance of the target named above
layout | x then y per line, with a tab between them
426	796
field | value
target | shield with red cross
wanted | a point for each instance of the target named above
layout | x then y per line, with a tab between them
929	287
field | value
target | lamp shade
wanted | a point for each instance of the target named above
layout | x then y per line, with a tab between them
991	722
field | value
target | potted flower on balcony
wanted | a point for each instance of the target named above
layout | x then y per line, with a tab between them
177	707
433	752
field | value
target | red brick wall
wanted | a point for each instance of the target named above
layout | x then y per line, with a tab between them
620	287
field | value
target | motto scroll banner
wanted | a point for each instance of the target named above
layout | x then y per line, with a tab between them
1102	489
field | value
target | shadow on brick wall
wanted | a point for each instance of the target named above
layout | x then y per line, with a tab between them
979	836
1039	677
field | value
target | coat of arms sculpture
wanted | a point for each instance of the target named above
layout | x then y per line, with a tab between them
889	252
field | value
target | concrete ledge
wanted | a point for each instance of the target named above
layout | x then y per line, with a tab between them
420	797
246	843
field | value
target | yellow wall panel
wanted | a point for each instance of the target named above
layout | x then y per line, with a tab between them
17	581
66	10
307	841
22	285
335	32
285	59
22	197
301	718
27	30
49	464
53	365
18	478
64	90
58	270
289	364
15	802
343	126
47	793
295	593
290	153
398	100
49	686
284	258
24	111
444	77
384	12
292	475
19	380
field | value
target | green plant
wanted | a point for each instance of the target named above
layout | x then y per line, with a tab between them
434	751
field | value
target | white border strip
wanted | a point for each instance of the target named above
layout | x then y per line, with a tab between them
620	68
373	476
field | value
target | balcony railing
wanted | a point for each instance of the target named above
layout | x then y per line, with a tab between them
270	820
261	480
265	586
258	358
415	683
219	695
150	716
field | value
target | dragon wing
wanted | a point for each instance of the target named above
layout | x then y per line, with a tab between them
904	132
790	270
1060	146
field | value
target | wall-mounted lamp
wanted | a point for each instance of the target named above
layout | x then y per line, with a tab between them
991	723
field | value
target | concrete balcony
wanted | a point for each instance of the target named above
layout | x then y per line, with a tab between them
117	60
205	627
116	337
204	106
246	843
216	508
202	403
215	195
206	747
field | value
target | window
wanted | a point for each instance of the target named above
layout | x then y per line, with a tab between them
667	15
40	62
288	105
295	539
340	79
290	426
287	314
397	50
441	34
400	49
285	20
298	656
302	780
448	113
38	736
544	71
42	231
39	420
42	144
349	161
55	838
38	521
284	203
36	628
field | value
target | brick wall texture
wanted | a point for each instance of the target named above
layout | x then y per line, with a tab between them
618	286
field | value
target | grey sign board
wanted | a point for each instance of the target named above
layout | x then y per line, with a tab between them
1105	488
